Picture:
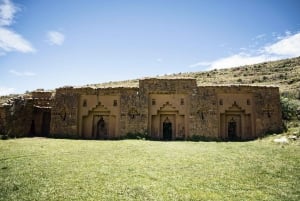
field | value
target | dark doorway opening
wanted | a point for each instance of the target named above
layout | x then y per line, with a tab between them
101	129
46	124
232	130
40	123
167	129
32	129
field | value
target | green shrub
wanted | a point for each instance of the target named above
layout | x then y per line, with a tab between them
289	108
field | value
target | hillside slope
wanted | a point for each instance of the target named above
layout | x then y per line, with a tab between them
283	73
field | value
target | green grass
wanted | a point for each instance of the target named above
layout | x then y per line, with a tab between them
55	169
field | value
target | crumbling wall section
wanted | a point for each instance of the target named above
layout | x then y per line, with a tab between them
17	117
3	120
64	113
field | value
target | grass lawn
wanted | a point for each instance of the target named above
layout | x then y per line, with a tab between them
55	169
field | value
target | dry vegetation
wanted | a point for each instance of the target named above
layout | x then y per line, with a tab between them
283	73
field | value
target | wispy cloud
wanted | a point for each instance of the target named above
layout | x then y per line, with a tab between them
6	90
285	47
9	39
17	73
201	63
260	36
55	38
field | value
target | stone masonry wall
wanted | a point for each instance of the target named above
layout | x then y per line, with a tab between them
165	86
200	114
267	110
133	119
18	114
204	110
64	113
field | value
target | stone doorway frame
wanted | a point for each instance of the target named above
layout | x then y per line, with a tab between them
243	123
233	127
168	125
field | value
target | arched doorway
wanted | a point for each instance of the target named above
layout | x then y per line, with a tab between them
101	129
167	129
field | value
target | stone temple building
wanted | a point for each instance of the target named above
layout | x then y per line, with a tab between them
163	109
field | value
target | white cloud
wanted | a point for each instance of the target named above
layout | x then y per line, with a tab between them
6	90
10	40
240	60
17	73
7	12
55	38
286	47
201	63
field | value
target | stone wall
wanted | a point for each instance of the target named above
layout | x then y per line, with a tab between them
172	100
203	119
166	109
3	118
64	112
133	118
17	114
267	110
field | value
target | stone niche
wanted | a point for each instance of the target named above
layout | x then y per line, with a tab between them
167	116
236	116
99	116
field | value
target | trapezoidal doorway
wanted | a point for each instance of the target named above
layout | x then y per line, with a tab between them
232	129
101	130
100	127
167	129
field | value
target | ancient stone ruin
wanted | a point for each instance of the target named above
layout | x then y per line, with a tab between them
162	109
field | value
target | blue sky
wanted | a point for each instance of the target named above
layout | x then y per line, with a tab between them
53	43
